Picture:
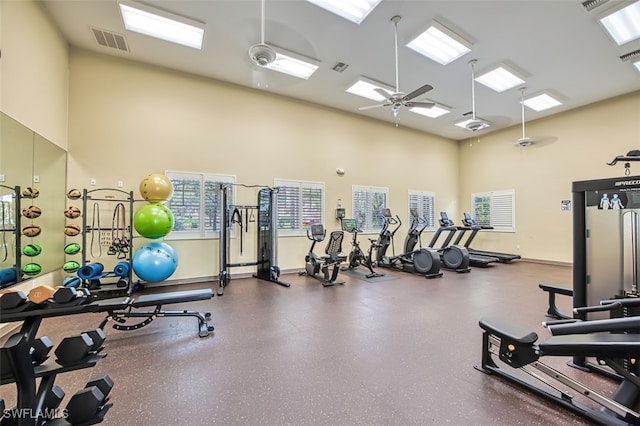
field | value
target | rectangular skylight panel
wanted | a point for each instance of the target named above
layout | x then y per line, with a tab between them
353	10
163	25
440	44
624	24
637	65
366	89
433	112
500	79
541	102
287	63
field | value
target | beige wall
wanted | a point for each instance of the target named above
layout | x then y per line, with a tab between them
34	74
587	138
128	120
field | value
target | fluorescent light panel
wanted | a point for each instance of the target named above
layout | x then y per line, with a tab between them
500	78
466	121
624	24
163	25
293	64
353	10
433	112
440	44
364	87
541	102
637	65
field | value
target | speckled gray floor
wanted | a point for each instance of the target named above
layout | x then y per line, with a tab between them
398	351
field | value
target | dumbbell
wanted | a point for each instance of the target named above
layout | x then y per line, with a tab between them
12	299
85	405
70	295
52	399
40	350
41	294
74	349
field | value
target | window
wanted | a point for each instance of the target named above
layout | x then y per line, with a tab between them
495	208
368	202
300	205
424	203
195	204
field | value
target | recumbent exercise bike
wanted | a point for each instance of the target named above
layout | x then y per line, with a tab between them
314	264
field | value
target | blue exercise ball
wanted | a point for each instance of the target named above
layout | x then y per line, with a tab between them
154	262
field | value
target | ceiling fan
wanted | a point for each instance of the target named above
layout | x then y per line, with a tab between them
525	141
262	54
399	99
475	124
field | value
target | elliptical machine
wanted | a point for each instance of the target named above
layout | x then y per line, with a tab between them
424	261
314	263
357	257
454	257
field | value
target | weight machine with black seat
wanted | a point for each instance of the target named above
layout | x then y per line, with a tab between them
357	257
614	342
267	254
315	264
425	262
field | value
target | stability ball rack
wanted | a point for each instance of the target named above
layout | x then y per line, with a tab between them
267	248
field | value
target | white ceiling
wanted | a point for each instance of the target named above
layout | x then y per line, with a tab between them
559	44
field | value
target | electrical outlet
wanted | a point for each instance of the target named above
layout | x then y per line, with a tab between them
120	184
2	178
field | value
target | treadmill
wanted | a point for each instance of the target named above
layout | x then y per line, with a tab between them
475	259
471	224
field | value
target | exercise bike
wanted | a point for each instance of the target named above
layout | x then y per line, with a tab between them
357	257
315	264
424	261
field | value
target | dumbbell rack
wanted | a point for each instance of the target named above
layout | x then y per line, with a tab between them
16	231
16	351
106	195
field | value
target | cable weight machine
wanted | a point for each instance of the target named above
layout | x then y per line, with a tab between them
267	253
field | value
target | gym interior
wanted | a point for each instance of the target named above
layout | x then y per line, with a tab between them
243	323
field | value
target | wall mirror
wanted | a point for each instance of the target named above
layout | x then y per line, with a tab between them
28	160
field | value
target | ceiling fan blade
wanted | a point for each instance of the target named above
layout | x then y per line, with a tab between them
382	92
373	106
418	104
419	91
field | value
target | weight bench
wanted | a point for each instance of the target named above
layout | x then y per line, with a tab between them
552	311
120	309
515	346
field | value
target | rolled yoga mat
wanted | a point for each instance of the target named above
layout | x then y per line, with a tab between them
8	276
121	269
91	271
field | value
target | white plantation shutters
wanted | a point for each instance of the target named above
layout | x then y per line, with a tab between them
495	208
368	202
424	202
300	205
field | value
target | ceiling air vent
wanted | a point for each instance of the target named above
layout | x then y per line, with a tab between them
110	39
631	56
589	5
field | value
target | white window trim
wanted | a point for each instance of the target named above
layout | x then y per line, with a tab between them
422	195
492	195
278	182
202	233
368	228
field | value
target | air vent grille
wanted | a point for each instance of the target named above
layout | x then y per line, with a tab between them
110	39
631	56
589	5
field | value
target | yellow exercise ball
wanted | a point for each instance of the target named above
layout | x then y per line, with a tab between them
156	188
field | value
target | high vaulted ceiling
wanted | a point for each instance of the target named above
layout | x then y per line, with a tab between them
559	45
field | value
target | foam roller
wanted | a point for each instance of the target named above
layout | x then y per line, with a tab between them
8	276
121	269
91	271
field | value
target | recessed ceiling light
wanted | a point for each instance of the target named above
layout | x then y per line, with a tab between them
637	65
292	64
353	10
434	112
474	125
440	44
623	22
163	25
541	102
365	87
500	78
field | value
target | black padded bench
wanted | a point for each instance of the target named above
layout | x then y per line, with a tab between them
606	345
553	311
